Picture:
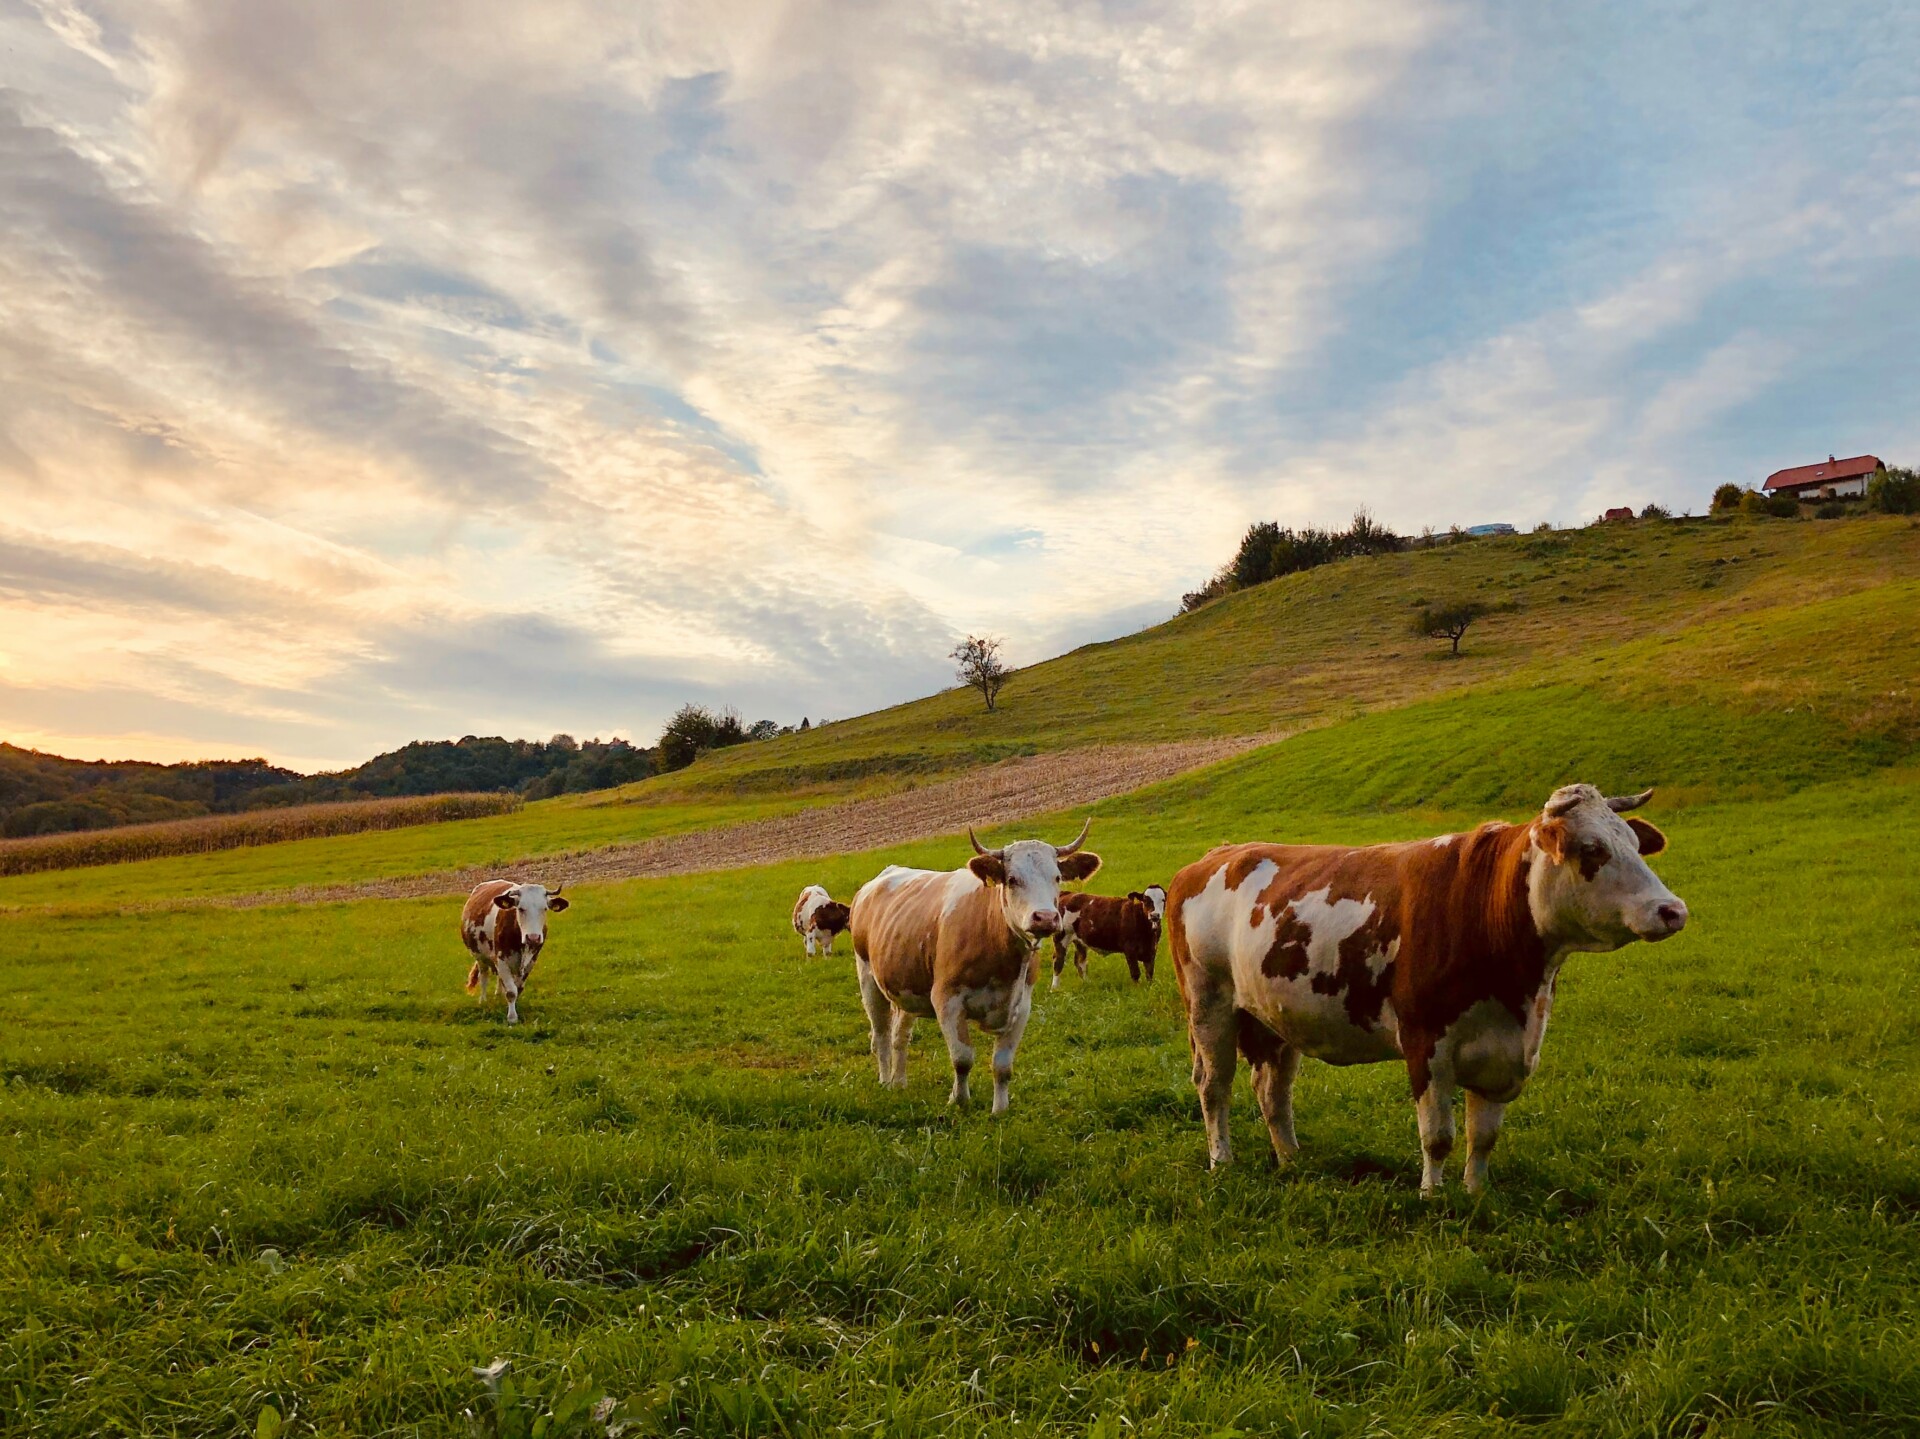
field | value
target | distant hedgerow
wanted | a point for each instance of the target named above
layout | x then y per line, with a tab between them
1269	550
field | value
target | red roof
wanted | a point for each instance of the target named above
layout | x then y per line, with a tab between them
1832	469
1621	512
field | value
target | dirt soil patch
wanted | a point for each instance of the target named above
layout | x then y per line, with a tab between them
998	794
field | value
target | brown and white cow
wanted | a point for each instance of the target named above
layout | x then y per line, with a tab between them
1440	952
1128	926
819	919
505	924
961	947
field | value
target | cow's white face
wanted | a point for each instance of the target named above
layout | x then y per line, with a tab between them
1027	875
1157	901
1589	885
532	904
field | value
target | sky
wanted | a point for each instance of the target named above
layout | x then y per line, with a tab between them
378	371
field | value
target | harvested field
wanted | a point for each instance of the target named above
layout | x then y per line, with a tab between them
998	794
207	833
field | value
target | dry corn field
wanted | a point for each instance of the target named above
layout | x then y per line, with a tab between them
206	833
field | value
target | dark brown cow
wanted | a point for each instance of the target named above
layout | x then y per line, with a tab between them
960	946
1440	952
1127	926
505	924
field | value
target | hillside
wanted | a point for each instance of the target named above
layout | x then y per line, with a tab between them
1715	658
1741	612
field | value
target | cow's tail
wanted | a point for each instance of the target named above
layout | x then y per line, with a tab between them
473	978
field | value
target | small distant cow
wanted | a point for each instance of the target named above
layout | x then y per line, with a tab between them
505	924
1129	927
1441	953
962	947
819	919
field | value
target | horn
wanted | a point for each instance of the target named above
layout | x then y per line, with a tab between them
556	889
979	848
1620	804
1063	850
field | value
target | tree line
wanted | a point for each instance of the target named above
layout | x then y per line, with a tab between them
50	794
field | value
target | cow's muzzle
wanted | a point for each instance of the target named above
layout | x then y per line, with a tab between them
1043	923
1666	921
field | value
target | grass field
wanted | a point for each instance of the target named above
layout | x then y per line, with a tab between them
276	1158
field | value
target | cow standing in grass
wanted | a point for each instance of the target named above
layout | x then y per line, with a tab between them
819	919
505	925
1128	926
1441	953
960	947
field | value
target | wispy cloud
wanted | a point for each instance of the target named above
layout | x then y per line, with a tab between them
370	371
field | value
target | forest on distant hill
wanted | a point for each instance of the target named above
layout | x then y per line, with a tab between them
49	794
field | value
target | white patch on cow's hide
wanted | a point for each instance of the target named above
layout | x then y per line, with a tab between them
1443	840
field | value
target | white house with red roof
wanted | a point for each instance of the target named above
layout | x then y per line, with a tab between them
1834	480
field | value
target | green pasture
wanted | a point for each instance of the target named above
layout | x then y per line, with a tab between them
277	1159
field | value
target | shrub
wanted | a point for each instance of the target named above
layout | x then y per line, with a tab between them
1894	492
1783	507
1727	497
1831	510
1449	620
1269	550
1656	512
1754	503
693	731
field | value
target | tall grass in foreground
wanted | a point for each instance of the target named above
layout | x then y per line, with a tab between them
206	833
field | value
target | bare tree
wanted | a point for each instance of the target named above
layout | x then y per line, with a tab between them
1448	621
978	664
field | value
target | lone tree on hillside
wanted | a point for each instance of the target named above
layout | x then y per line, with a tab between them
978	665
1448	621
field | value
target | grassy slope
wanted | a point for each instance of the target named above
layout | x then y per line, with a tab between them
680	1177
1755	616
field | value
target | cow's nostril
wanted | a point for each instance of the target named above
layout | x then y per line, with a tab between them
1673	916
1045	921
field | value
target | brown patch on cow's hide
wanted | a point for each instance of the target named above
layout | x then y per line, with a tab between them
1286	958
1593	859
1366	991
831	917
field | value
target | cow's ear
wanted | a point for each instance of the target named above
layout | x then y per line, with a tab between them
1080	867
506	899
556	905
1135	894
1651	840
989	868
1551	836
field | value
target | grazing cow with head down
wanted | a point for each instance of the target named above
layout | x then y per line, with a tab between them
505	924
1442	953
960	947
818	919
1129	927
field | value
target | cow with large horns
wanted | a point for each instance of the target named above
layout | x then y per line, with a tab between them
960	947
504	924
1441	953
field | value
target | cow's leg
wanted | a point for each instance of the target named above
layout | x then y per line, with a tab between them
1435	1104
902	1035
1080	956
1483	1129
1059	958
1018	1009
1274	1064
1211	1030
951	1011
879	1018
1133	968
509	986
807	938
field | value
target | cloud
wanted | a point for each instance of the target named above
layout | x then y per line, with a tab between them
374	370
